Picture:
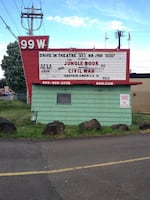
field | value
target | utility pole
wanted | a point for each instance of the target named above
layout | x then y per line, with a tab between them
31	14
106	38
129	39
119	34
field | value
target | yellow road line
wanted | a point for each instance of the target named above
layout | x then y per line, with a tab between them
25	173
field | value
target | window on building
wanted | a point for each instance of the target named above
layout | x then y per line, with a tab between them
63	98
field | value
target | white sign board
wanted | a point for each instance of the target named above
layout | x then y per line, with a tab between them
124	101
88	65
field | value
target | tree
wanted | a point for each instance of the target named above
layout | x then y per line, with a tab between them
2	83
13	68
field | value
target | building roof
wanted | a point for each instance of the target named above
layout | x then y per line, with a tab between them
139	75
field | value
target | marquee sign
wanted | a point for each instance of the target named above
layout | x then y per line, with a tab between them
82	65
43	65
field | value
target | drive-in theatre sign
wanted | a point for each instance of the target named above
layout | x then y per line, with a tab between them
43	65
79	66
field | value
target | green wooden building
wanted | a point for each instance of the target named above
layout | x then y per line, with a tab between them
76	85
75	104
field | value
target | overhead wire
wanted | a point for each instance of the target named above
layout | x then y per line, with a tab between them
17	8
43	21
8	27
30	2
9	15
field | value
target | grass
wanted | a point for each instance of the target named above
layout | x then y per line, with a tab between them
19	113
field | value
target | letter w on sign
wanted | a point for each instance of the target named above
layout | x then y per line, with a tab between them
41	43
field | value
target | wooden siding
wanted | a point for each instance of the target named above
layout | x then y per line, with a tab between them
87	102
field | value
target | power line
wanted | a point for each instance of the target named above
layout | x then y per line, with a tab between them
17	8
8	13
8	27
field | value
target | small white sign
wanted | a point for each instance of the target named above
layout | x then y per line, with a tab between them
124	101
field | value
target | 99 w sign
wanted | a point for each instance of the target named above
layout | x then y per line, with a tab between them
32	43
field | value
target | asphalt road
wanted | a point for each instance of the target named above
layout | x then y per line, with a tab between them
103	168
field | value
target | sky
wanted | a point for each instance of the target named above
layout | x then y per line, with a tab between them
83	24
